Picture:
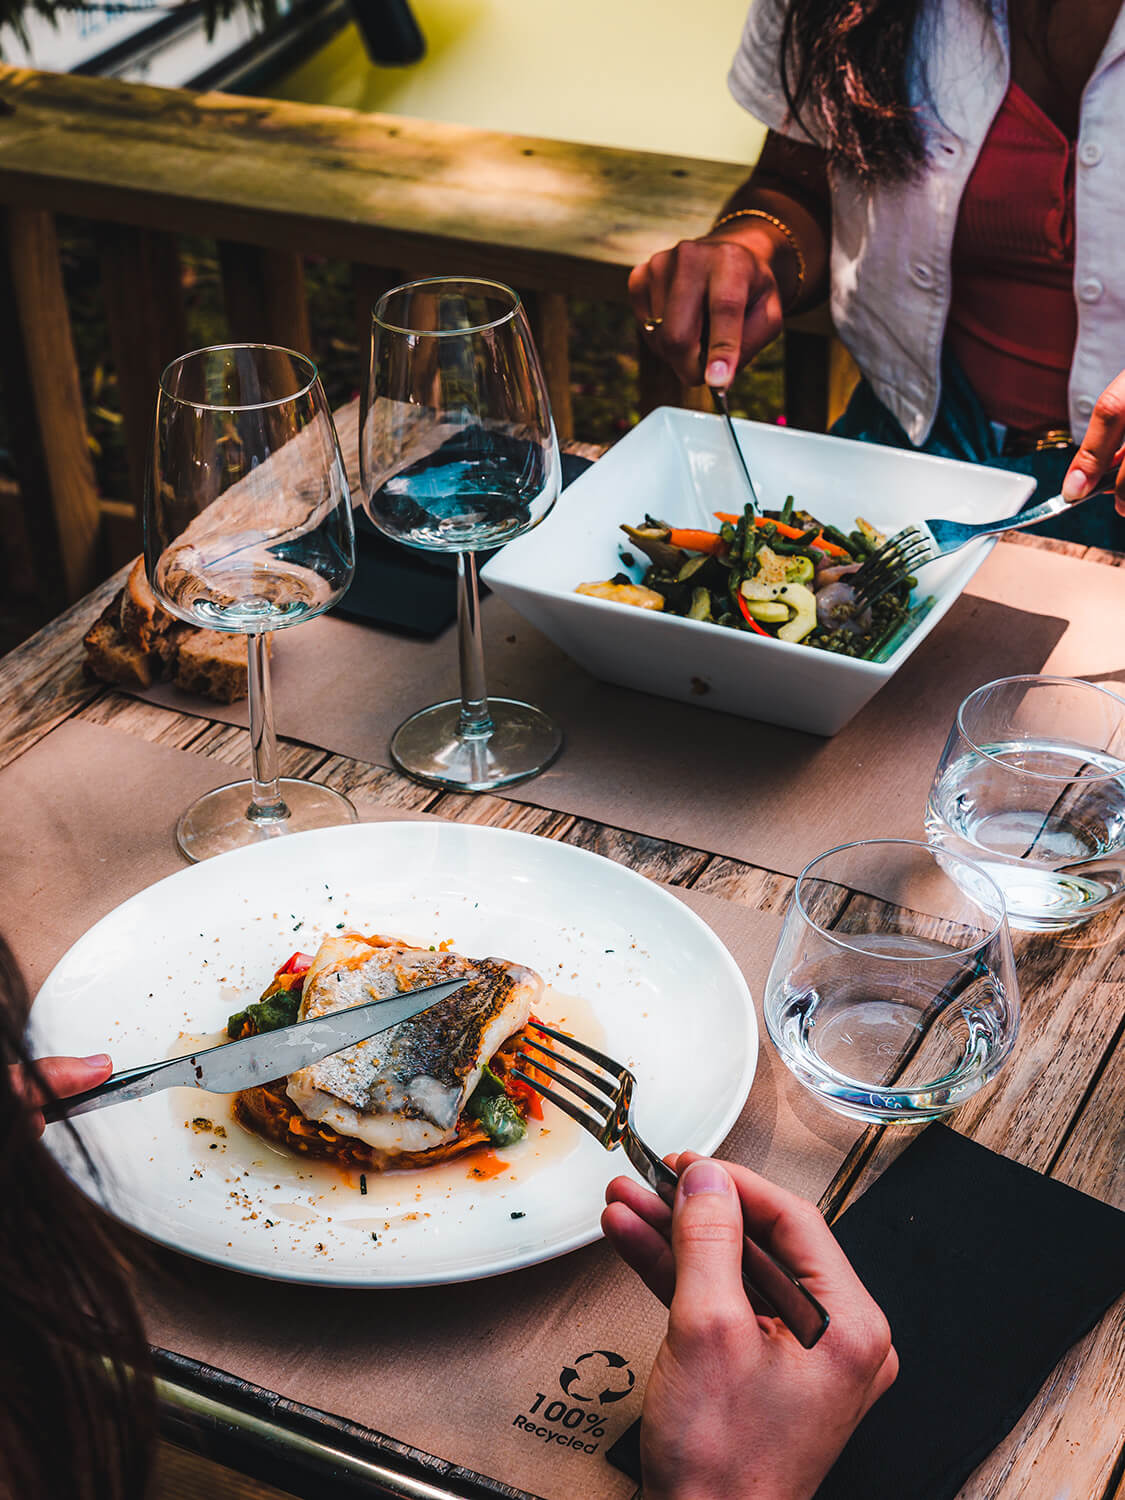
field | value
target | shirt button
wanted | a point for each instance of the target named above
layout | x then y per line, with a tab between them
1090	289
1089	153
922	276
1084	406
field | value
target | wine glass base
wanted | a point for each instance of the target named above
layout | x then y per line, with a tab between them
217	821
428	747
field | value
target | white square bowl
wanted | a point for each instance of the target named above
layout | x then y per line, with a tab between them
678	465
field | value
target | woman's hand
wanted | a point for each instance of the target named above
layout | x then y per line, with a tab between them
64	1076
725	282
734	1405
1102	449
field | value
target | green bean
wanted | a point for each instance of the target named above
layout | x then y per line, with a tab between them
738	541
834	534
787	511
749	534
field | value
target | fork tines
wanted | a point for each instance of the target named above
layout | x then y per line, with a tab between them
602	1104
892	565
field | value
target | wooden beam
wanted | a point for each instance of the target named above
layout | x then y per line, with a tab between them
806	380
313	180
264	295
142	293
368	285
658	385
46	411
550	324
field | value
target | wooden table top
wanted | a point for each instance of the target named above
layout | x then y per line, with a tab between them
1059	1106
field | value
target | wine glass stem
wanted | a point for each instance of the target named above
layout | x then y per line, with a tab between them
476	723
266	805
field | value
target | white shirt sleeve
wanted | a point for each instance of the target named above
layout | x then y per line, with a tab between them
755	76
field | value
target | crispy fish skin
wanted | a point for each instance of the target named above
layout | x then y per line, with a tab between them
405	1089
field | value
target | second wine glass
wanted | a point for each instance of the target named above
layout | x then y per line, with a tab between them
248	529
458	454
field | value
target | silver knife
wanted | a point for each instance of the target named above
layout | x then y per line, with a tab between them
257	1059
719	396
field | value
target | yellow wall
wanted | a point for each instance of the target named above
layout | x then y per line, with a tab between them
642	74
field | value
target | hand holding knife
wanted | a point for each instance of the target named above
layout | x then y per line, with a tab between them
234	1066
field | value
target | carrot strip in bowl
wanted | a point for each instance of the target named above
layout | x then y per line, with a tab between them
689	540
791	533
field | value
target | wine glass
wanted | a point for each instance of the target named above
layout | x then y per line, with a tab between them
892	995
458	454
248	528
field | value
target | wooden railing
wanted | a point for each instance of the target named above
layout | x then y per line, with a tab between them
274	182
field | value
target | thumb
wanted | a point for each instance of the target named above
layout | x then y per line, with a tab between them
71	1075
707	1237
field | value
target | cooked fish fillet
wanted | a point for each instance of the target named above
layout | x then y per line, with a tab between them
405	1089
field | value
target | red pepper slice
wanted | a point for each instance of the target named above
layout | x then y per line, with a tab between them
296	963
749	618
517	1089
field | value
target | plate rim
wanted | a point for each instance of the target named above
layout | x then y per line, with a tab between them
517	1261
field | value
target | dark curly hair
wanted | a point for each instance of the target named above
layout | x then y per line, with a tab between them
77	1415
843	68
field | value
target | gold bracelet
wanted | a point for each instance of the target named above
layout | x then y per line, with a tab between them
760	213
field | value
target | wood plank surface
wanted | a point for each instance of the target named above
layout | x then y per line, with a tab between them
143	298
371	188
46	413
1059	1105
264	296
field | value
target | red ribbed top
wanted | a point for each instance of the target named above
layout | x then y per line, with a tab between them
1013	321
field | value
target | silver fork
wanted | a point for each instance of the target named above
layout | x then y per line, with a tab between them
607	1116
915	546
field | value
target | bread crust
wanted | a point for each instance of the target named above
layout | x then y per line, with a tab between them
135	642
112	658
142	619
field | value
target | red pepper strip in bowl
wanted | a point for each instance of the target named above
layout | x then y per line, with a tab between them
790	532
750	620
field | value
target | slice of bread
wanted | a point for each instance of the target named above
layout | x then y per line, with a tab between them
114	659
143	620
135	642
211	663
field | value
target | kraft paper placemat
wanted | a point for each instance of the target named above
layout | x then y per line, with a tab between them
448	1370
775	797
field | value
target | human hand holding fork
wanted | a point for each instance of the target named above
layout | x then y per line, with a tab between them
734	1404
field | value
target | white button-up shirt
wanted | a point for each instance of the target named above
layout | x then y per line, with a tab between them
892	246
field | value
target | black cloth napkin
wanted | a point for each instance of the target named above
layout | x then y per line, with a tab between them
987	1273
405	589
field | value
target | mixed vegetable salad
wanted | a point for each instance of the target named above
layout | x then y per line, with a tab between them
782	574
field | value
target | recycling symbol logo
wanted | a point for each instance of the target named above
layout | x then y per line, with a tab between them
599	1377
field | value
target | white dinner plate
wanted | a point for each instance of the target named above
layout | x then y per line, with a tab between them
628	966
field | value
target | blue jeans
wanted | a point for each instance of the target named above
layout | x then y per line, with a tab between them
962	430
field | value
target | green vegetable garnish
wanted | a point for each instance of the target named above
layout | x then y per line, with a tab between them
278	1007
501	1121
495	1112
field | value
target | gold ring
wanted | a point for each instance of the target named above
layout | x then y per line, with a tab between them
650	325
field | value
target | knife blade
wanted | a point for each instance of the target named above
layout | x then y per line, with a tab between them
719	396
257	1059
